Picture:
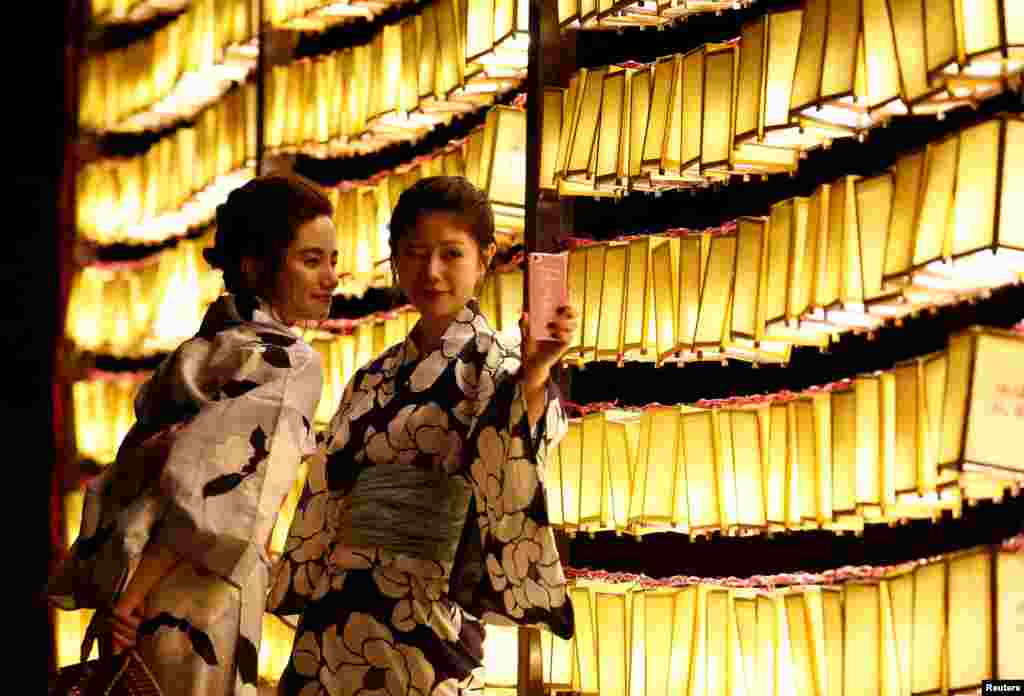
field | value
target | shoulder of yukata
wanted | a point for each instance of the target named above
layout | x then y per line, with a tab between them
380	362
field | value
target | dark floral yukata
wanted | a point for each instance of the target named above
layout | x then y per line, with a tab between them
242	393
382	621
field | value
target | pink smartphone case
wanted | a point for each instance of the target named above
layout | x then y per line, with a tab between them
548	290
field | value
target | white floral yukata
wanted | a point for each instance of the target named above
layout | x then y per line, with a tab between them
381	622
242	393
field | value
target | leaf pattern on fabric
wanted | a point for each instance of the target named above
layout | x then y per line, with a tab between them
247	659
276	339
222	484
238	387
232	450
87	548
276	356
201	643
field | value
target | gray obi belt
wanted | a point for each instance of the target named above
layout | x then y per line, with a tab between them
406	510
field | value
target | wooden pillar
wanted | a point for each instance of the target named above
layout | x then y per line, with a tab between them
552	59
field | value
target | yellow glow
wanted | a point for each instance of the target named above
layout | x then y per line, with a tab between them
885	635
185	65
883	449
104	412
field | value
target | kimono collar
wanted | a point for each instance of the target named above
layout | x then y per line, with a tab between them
230	311
465	327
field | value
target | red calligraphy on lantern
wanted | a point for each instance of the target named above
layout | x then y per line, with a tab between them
1009	400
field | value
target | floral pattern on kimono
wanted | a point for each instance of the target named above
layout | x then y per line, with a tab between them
376	620
238	401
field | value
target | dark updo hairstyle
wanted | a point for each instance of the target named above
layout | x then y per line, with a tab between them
443	194
259	220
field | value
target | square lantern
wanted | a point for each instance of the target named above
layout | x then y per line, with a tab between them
658	155
692	262
768	55
1008	593
874	199
664	279
716	288
612	129
640	83
929	616
969	620
610	324
702	490
718	107
502	165
984	398
582	142
570	465
824	96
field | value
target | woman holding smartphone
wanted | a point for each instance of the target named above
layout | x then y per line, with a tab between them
426	514
172	544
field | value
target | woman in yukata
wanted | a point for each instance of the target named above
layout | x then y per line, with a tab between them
172	545
427	514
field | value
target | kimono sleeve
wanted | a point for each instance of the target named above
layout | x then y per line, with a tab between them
230	466
522	580
301	568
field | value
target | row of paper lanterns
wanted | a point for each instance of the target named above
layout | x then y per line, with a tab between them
940	626
117	12
125	310
185	64
793	81
619	14
946	625
176	185
411	77
933	230
318	15
449	58
158	194
834	459
143	308
912	442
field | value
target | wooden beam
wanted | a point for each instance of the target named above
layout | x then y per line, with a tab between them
549	220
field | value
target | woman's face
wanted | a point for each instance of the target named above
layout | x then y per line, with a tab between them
307	277
439	265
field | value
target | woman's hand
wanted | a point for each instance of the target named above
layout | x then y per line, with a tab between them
124	622
540	356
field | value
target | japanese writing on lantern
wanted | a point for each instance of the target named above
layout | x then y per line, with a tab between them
1009	400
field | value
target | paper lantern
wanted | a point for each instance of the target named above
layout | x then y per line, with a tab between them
640	87
969	619
584	128
1008	593
691	274
984	397
658	476
702	487
664	290
768	54
874	198
500	171
658	153
592	441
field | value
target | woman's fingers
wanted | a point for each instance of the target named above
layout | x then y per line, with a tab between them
124	628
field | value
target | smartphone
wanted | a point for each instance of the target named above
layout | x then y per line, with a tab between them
548	277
